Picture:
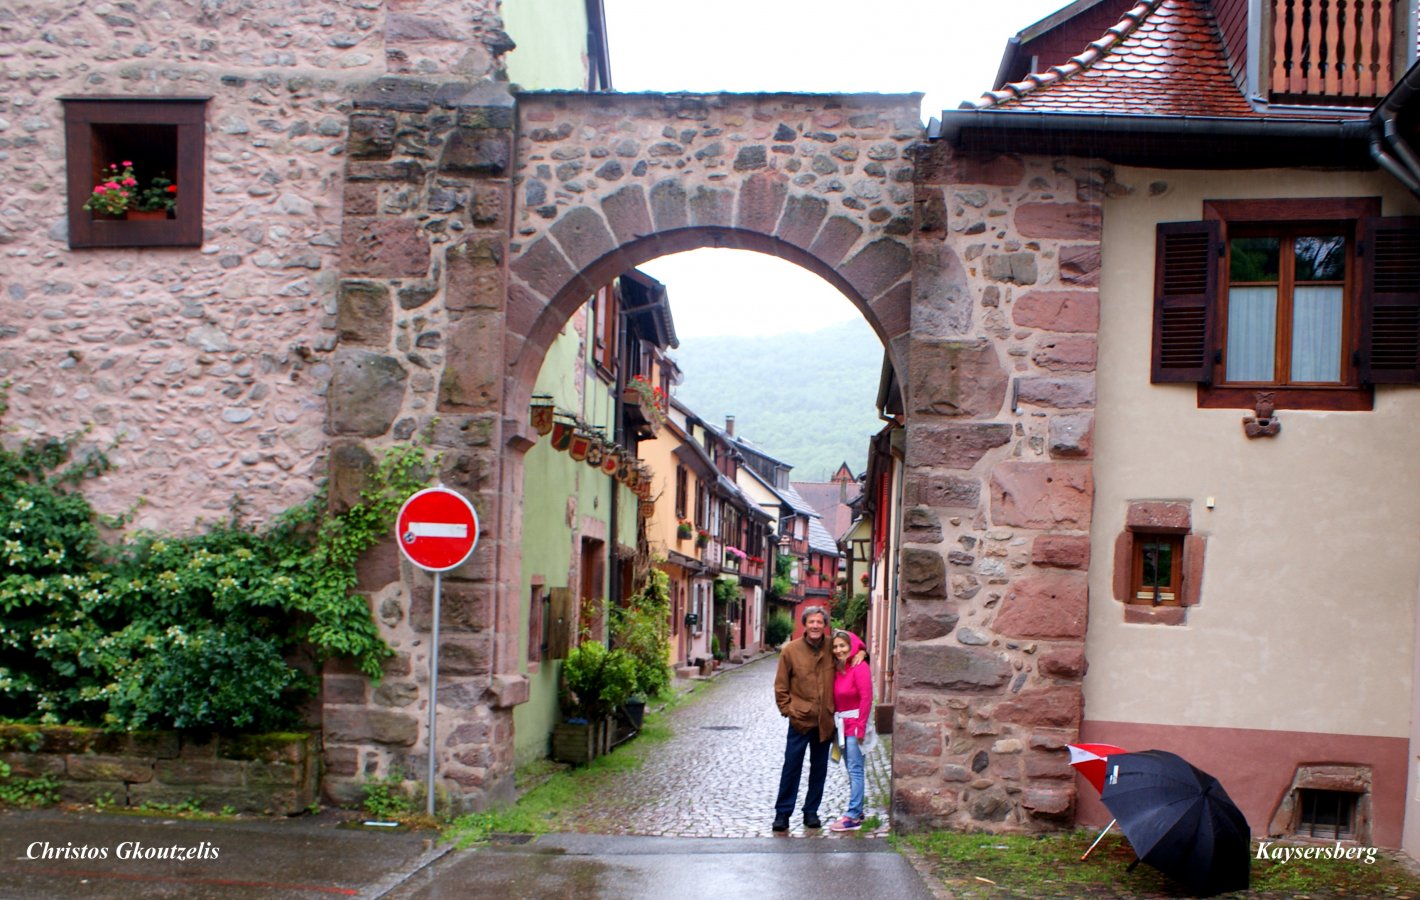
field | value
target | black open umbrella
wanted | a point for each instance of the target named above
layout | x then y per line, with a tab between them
1179	820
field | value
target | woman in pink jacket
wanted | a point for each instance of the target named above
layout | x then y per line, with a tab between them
852	703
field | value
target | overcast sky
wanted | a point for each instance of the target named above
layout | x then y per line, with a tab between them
947	50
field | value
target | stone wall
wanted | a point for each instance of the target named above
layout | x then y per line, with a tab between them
998	491
276	773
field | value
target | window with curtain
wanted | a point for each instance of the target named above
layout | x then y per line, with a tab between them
1286	310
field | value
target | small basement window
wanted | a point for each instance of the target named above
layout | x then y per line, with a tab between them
160	140
1157	571
1326	814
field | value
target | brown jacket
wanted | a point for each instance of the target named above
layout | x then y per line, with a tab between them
803	686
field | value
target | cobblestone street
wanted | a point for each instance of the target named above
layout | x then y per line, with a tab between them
718	773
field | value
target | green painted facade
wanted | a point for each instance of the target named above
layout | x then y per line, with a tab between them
554	483
552	44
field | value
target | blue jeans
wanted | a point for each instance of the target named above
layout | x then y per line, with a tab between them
794	746
853	762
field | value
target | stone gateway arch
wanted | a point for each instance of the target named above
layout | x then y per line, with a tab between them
477	223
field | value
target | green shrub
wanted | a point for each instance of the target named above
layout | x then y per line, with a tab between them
597	680
196	632
850	611
778	628
642	629
385	798
782	584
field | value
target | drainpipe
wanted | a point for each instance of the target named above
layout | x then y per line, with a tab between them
1388	147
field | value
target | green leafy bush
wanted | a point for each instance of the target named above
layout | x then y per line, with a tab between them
778	628
597	680
216	631
642	629
850	611
782	584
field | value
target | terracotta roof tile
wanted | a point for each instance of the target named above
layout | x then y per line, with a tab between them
1164	57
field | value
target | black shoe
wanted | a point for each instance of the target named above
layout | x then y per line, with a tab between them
811	821
781	823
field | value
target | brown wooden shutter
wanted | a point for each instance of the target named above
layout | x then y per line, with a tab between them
1186	262
562	627
1389	349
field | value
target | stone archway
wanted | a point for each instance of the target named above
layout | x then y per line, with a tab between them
476	223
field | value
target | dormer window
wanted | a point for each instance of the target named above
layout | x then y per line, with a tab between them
1335	52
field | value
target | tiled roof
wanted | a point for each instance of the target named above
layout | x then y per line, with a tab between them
1164	57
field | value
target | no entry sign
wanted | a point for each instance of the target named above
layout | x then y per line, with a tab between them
437	529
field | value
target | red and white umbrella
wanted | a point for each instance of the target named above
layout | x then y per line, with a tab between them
1088	760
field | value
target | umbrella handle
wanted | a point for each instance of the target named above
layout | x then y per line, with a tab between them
1098	839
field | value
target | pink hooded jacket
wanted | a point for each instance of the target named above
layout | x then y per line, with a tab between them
853	689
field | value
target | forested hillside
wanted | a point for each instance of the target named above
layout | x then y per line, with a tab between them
807	399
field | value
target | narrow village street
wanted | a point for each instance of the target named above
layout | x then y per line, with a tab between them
718	773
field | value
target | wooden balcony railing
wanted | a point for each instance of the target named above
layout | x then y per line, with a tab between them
1333	51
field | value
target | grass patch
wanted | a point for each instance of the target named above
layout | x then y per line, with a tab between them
1049	865
554	791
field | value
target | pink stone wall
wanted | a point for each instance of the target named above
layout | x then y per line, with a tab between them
999	445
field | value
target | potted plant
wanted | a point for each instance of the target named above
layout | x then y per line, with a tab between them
702	538
118	194
596	681
684	530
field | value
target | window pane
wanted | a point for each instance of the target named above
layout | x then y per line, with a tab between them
1316	333
1158	564
1252	333
1321	258
1254	259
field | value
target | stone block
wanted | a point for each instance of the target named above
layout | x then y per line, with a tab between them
364	726
1005	171
475	274
106	792
913	738
1066	662
802	219
344	689
1046	607
1064	311
1080	265
924	573
543	268
877	267
1072	436
943	491
835	239
91	767
472	375
927	621
1067	392
1011	268
941	297
342	762
1046	496
466	655
366	392
956	378
1049	802
278	747
955	445
1066	221
464	606
583	235
627	214
1049	765
372	136
384	247
349	467
762	197
33	765
1061	551
668	205
1160	516
950	666
1059	706
1066	354
921	526
712	206
206	772
510	690
485	152
379	565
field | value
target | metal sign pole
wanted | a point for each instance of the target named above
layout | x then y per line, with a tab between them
434	687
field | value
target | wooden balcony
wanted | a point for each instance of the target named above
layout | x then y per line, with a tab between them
1335	52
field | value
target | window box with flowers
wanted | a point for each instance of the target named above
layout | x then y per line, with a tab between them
648	399
702	538
684	530
734	556
135	170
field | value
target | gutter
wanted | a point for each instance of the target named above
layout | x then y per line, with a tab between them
1389	147
1169	141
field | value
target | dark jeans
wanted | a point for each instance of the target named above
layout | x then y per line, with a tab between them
794	747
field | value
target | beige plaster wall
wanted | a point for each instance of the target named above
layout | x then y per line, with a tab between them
1307	615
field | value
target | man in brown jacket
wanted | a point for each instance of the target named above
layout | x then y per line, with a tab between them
803	688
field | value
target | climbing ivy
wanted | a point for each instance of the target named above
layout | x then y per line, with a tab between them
221	630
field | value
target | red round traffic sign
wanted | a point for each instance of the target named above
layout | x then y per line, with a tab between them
437	529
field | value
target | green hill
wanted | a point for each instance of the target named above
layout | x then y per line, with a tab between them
807	399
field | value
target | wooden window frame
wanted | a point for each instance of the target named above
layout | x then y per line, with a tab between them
87	121
1382	295
1153	519
1137	588
682	477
